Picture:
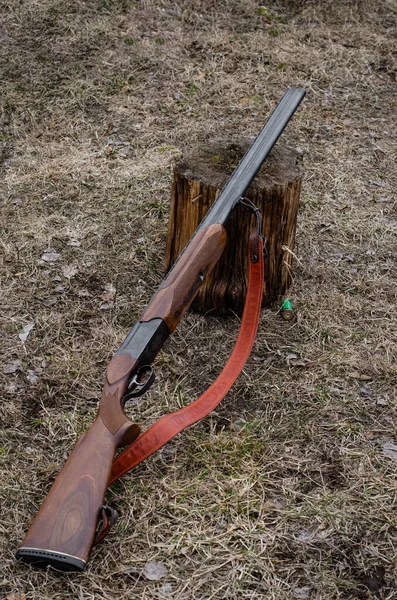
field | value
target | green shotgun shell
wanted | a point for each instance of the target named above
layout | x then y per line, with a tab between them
286	310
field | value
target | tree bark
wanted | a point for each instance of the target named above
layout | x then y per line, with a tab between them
275	191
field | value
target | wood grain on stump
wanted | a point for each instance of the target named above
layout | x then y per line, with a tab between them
275	190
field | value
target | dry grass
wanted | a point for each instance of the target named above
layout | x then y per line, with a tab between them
99	99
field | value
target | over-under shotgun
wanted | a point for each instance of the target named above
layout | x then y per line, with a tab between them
64	529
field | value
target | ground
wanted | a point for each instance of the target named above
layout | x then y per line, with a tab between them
288	490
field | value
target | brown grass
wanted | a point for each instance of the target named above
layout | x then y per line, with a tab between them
284	492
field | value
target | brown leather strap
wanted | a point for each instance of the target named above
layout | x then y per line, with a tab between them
169	425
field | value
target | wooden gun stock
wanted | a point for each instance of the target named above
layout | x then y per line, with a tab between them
64	529
181	285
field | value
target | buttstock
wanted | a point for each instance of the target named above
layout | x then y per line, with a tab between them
181	285
64	529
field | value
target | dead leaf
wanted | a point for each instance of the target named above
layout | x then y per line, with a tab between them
109	293
106	306
69	271
304	536
32	377
10	388
23	336
108	296
12	367
293	361
301	363
302	592
390	450
315	533
16	597
50	255
124	152
360	376
382	401
166	589
75	243
365	391
84	294
155	570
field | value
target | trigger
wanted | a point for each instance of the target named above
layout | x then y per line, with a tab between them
140	382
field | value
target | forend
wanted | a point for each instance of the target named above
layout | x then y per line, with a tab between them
182	283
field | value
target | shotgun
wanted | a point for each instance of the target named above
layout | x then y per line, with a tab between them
64	529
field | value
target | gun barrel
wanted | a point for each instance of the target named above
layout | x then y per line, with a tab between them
254	158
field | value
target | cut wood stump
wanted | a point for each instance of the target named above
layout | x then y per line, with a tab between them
275	191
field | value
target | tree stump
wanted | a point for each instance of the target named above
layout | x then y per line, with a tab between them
275	191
